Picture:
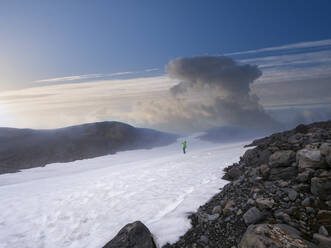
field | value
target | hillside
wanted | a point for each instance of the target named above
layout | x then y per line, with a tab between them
28	148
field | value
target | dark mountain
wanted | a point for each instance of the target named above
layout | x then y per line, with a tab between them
28	148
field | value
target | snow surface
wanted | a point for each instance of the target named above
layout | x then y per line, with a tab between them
85	203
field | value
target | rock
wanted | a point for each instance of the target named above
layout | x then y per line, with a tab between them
252	216
273	236
286	218
322	241
282	183
264	170
326	152
212	217
255	157
228	207
292	194
310	158
239	212
305	176
133	235
281	158
263	203
232	174
306	202
321	187
296	138
278	214
301	129
204	239
250	201
217	210
283	173
324	218
322	230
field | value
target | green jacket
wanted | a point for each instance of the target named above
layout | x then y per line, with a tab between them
184	144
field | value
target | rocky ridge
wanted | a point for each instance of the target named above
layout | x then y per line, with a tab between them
279	196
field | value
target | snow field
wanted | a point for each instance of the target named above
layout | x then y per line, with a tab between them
85	203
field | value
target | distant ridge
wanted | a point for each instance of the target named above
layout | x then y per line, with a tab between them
28	148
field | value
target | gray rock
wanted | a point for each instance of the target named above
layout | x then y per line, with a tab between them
204	239
283	173
252	216
310	158
322	230
306	202
217	210
264	203
273	236
229	207
306	175
321	187
133	235
286	218
292	194
212	217
325	149
233	174
281	158
324	218
322	241
256	157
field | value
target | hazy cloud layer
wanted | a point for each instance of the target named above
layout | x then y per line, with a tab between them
202	92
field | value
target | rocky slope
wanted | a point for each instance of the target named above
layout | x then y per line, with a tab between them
279	196
27	148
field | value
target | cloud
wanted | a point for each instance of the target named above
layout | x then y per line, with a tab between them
80	78
211	91
295	46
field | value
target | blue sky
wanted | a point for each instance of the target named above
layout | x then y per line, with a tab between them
70	62
44	39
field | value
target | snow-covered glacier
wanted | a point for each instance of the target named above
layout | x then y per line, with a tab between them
85	203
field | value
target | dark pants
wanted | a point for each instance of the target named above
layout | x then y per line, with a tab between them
184	150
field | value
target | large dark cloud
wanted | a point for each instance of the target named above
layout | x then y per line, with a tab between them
221	88
217	72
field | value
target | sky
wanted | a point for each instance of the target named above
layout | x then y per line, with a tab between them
70	62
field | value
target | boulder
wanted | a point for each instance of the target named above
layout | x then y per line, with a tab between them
306	175
264	203
264	170
326	152
133	235
228	207
256	157
232	174
292	194
322	241
321	187
310	158
325	149
324	218
273	236
252	216
281	159
283	173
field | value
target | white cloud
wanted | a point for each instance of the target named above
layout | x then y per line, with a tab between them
92	76
308	44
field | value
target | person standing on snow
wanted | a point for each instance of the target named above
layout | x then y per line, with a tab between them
184	146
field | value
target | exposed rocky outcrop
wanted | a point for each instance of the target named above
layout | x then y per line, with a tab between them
27	148
133	235
280	195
